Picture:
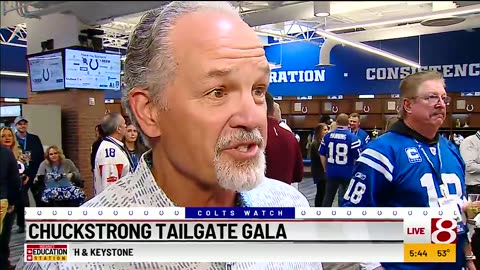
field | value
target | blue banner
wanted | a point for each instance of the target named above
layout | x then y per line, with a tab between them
356	72
239	212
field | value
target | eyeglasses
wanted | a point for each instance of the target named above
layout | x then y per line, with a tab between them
434	99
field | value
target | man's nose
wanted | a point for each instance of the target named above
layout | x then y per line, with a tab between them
248	113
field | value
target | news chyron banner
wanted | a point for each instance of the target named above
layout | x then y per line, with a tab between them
240	234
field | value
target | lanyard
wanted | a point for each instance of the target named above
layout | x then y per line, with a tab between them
56	169
437	173
24	142
132	168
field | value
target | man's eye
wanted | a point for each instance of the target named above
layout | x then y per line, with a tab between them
217	93
260	92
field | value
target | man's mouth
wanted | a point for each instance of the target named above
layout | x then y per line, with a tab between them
243	150
244	147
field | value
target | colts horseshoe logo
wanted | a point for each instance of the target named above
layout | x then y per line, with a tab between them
334	108
470	108
304	109
90	64
397	108
47	76
366	108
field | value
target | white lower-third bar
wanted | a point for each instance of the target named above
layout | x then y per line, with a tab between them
228	252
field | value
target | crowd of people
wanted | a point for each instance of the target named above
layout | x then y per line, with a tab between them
198	101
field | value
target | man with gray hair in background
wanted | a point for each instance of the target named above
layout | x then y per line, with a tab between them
111	161
198	100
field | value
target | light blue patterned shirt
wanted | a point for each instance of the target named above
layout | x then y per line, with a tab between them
139	189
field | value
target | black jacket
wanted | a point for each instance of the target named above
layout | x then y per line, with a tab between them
34	145
316	165
9	176
93	153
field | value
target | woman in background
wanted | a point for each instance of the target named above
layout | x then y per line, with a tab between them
9	140
318	173
132	144
59	175
99	134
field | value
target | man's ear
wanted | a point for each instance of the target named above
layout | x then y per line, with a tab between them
407	105
145	112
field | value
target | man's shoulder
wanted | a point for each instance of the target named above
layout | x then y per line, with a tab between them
275	193
363	132
33	136
385	146
470	139
110	153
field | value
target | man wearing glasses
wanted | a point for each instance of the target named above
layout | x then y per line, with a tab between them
412	166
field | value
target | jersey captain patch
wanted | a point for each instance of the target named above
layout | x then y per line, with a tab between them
413	155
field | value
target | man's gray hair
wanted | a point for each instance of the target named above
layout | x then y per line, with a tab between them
111	122
150	63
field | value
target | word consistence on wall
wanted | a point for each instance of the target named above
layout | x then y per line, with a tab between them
448	71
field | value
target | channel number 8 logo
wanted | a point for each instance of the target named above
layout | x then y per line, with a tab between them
444	231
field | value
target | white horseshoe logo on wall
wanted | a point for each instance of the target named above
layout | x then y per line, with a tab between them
470	108
367	108
334	108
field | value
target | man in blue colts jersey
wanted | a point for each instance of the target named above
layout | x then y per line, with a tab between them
412	166
354	123
338	151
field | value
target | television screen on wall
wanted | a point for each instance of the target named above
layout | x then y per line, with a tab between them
46	72
10	111
92	70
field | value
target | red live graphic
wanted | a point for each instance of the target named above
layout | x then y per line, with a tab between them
444	231
416	231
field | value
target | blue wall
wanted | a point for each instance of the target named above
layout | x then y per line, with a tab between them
13	87
349	75
13	58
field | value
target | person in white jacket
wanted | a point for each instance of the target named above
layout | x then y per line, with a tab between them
111	161
198	100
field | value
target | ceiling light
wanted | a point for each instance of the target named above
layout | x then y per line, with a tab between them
321	8
274	66
399	20
13	73
367	48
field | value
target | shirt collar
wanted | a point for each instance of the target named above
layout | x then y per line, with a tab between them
115	140
151	194
401	128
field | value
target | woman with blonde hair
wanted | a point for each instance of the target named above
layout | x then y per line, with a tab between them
59	175
9	140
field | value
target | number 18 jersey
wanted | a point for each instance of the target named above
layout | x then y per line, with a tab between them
394	171
111	164
341	148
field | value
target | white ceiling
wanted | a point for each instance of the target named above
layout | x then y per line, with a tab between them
282	19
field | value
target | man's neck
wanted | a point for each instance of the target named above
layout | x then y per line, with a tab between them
184	190
22	135
426	131
116	136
